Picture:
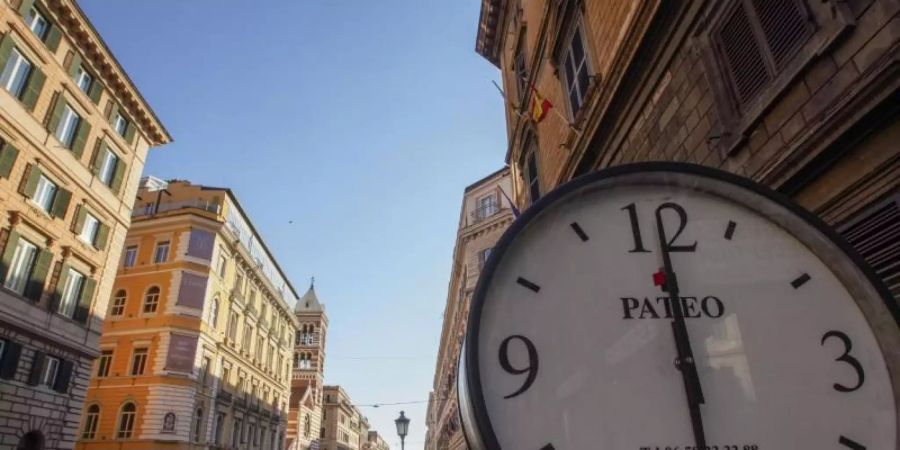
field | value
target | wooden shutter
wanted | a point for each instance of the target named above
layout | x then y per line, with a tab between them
744	61
10	361
8	155
60	286
74	64
102	237
84	301
25	6
95	91
30	181
80	215
38	276
118	176
54	35
8	252
33	88
875	234
129	132
6	46
63	376
99	153
60	203
84	128
112	110
56	113
785	25
37	366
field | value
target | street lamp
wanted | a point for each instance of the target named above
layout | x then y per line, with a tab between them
402	428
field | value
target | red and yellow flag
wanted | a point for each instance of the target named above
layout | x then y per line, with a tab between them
540	106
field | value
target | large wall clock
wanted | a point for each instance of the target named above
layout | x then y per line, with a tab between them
665	306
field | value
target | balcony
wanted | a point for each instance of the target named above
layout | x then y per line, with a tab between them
484	212
307	340
152	209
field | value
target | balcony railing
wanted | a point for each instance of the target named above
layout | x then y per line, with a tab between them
152	209
485	212
306	341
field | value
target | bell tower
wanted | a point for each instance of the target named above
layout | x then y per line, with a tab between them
308	370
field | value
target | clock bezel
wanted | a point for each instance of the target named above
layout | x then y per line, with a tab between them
470	398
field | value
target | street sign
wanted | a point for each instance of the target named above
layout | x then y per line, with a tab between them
672	306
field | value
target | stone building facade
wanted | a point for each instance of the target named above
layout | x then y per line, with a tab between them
308	374
485	214
799	95
343	426
376	442
196	347
74	135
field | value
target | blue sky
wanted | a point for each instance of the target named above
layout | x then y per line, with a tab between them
361	122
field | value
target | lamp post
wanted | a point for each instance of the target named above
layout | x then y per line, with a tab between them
402	423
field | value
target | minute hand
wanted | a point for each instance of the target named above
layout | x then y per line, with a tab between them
685	359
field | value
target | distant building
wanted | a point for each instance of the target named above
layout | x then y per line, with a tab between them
484	216
305	417
376	442
74	135
196	347
341	422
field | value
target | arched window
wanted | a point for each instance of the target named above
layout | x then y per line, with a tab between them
151	300
307	424
214	312
296	359
91	419
118	304
169	423
126	421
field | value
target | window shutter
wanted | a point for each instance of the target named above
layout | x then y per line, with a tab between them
99	154
113	109
6	46
56	112
54	35
10	361
60	203
74	64
60	286
30	181
25	6
38	278
37	366
8	252
33	88
8	155
78	223
64	376
84	301
96	89
102	237
84	128
785	25
876	236
745	63
129	133
118	176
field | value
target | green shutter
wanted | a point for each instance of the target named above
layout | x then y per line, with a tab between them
60	287
6	46
33	88
10	360
84	128
56	113
8	252
99	154
129	132
80	214
25	6
64	376
112	111
102	237
8	156
38	278
118	176
74	64
31	181
84	301
96	89
60	203
54	35
37	367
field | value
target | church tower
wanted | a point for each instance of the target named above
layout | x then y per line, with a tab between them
305	416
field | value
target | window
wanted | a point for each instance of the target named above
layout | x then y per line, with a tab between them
108	167
307	425
51	370
260	342
220	423
247	341
126	421
20	267
71	293
198	424
118	304
232	325
151	300
222	265
162	252
226	373
169	423
238	430
89	229
487	206
83	79
130	256
520	67
483	257
91	419
239	281
204	369
120	124
37	23
104	362
15	74
138	361
68	126
531	169
45	193
576	71
252	434
214	312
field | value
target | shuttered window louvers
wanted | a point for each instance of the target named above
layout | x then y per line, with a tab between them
876	236
785	24
744	59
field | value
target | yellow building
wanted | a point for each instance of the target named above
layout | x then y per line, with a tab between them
74	135
196	347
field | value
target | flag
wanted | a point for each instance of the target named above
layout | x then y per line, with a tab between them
515	210
539	106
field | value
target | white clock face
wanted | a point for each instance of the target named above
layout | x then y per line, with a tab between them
575	343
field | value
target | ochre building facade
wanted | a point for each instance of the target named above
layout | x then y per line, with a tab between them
74	135
197	342
799	95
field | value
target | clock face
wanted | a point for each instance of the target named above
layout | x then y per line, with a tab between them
571	344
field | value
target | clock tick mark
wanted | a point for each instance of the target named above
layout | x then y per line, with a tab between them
579	231
729	232
528	284
850	443
800	281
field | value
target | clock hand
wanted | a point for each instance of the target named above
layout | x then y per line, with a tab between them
685	360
